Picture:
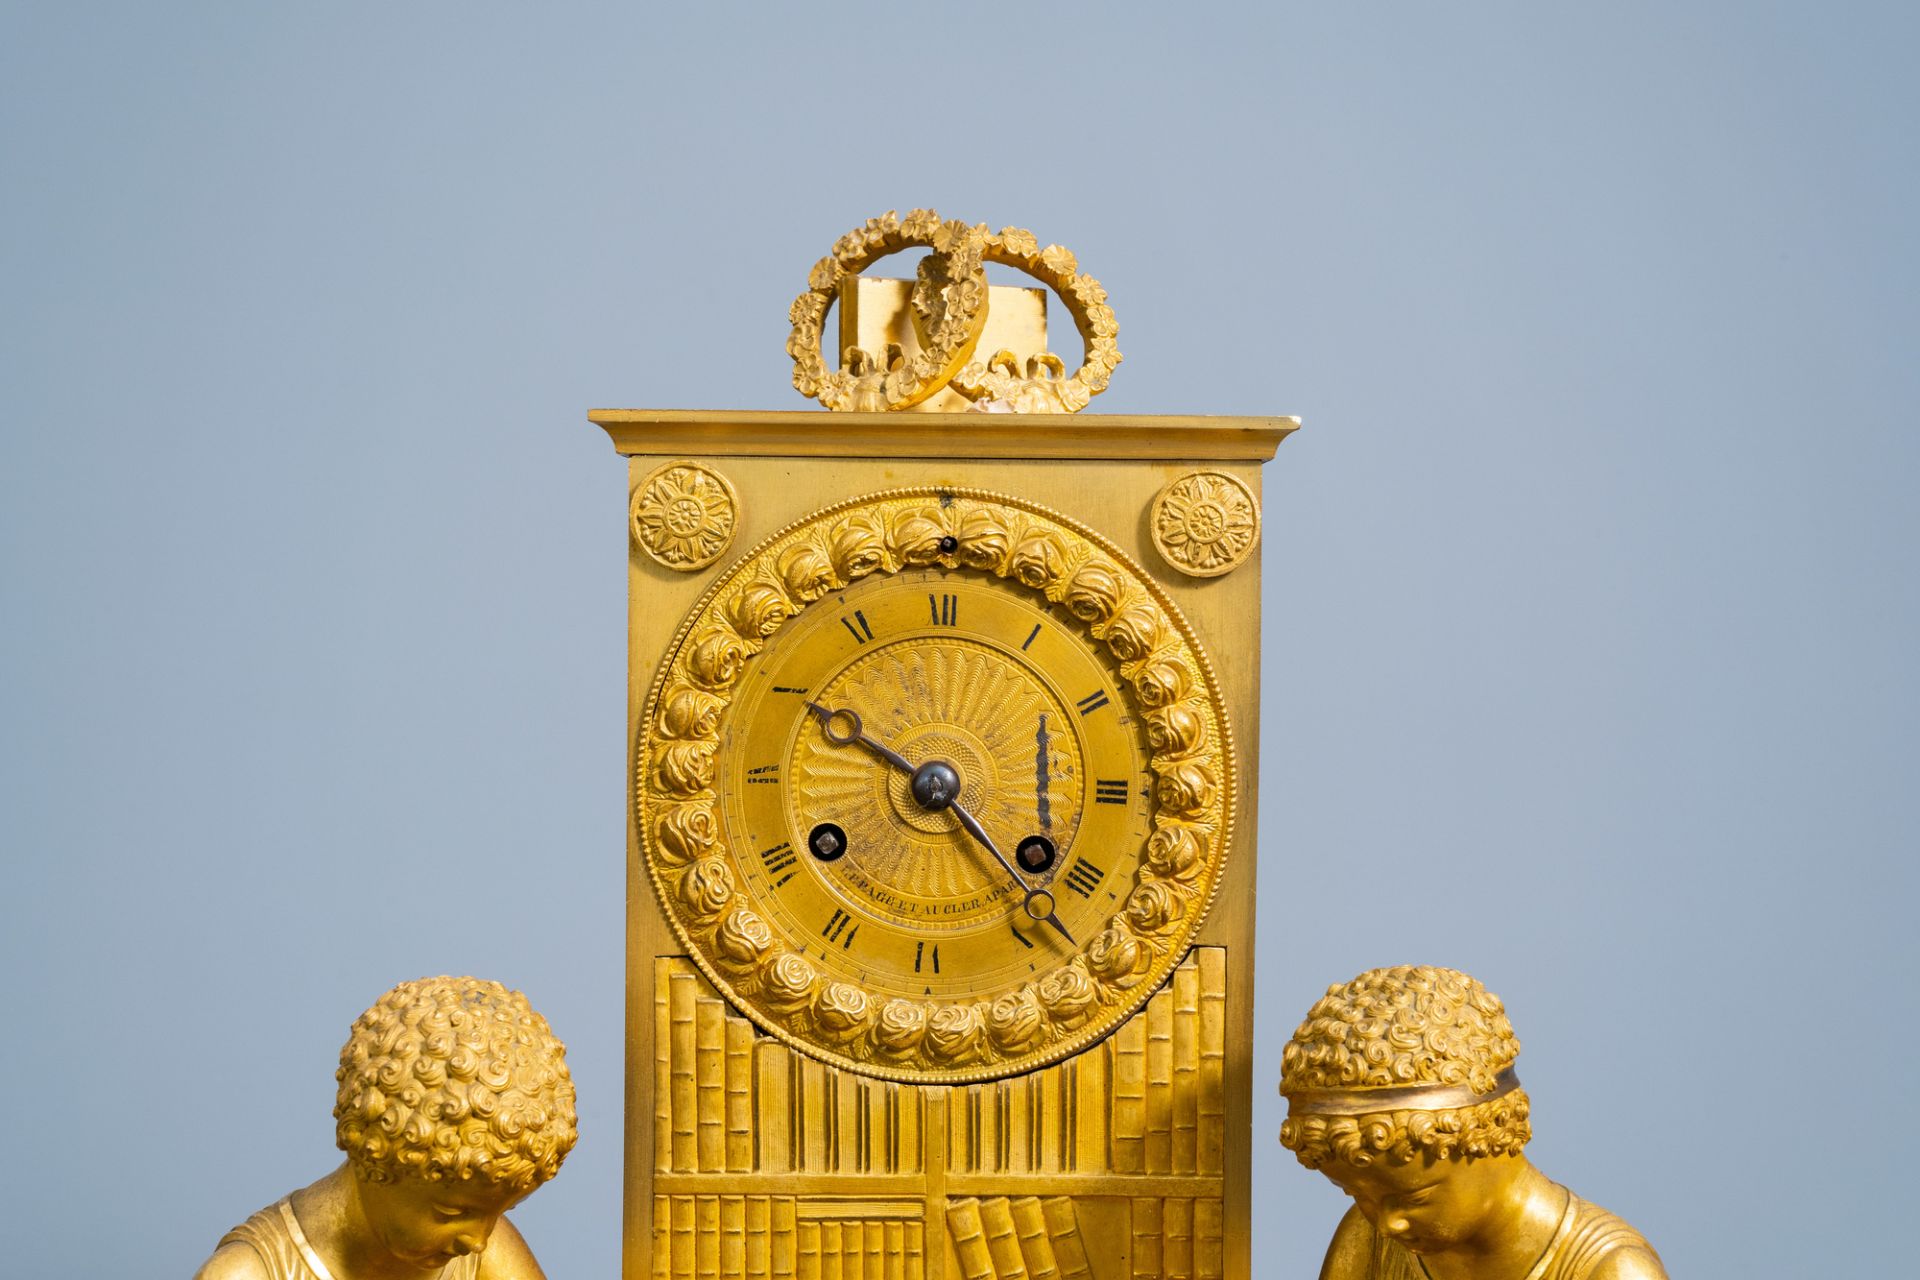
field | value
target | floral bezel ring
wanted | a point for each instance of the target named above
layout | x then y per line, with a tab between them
694	863
1086	301
946	346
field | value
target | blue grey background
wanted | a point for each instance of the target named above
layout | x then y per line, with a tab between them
1591	583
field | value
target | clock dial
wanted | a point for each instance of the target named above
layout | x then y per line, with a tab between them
941	665
935	785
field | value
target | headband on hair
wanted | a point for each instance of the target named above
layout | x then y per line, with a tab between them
1417	1097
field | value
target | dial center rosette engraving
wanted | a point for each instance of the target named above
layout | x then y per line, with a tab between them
963	752
935	700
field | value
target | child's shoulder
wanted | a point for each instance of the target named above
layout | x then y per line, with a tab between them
507	1256
234	1261
1350	1254
261	1248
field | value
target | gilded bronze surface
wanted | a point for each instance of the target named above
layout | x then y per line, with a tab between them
948	306
1205	524
1039	384
876	314
1146	1202
1001	618
865	1036
1401	1089
1082	437
768	1162
454	1105
683	515
949	312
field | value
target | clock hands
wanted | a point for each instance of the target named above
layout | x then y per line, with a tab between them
1039	903
935	785
857	733
1040	762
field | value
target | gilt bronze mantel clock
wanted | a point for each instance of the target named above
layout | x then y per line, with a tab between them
943	710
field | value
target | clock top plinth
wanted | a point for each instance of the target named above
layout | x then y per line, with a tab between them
819	434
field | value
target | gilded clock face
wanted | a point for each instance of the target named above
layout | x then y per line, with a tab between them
935	785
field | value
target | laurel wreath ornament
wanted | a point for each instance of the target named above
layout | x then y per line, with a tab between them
1055	267
949	311
953	323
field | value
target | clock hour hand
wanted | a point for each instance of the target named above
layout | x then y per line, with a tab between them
936	785
853	731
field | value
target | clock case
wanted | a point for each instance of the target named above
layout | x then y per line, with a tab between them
746	1158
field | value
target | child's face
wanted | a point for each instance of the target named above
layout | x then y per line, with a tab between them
1427	1205
429	1224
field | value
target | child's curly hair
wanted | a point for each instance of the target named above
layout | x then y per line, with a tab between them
1399	1028
454	1078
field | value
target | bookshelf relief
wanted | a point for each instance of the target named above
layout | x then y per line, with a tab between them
768	1163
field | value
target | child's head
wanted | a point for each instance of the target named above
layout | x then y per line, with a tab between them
1401	1062
454	1081
1400	1089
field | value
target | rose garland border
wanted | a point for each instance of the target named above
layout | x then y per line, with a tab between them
1171	683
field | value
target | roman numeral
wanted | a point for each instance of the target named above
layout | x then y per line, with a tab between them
921	954
1025	941
1092	702
1031	635
1110	791
779	859
1083	878
945	609
857	627
837	922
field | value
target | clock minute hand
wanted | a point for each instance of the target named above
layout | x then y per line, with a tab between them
1050	915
